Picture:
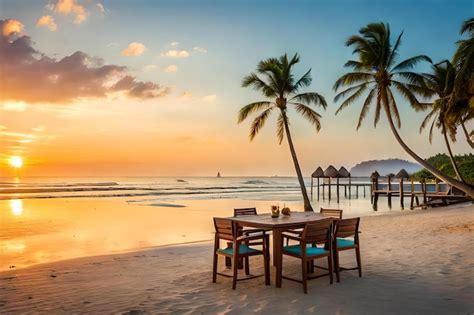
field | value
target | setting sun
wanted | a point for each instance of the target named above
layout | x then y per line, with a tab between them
15	161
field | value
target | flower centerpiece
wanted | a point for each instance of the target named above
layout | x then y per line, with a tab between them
275	211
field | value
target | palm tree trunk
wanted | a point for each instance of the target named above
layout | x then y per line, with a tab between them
468	138
451	157
469	190
307	203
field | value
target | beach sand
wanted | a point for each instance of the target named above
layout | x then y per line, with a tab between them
413	262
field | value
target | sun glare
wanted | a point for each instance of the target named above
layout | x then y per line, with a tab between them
16	206
15	161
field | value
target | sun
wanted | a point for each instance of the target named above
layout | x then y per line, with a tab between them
15	161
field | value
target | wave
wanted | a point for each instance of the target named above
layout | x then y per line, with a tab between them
256	182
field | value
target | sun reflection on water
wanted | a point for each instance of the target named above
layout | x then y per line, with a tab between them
16	207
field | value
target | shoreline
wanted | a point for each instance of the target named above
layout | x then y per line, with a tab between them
403	269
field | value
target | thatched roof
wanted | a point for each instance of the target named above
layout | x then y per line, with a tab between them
375	175
343	172
331	171
402	174
318	172
390	175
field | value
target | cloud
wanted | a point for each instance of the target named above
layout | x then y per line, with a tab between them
68	7
14	106
11	27
209	98
200	49
133	50
175	54
62	81
186	96
101	8
149	68
174	44
47	21
171	68
113	44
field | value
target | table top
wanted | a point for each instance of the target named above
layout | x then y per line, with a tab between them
266	221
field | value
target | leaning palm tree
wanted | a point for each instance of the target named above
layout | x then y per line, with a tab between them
462	104
275	79
441	83
378	73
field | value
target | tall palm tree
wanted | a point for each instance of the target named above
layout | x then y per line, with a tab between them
462	104
441	83
378	72
275	79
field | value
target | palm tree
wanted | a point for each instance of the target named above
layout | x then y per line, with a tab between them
378	72
275	79
462	104
441	83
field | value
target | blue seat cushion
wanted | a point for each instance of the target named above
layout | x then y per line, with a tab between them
310	251
243	250
343	242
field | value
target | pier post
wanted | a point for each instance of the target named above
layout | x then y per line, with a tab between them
389	192
323	188
337	189
357	191
364	191
318	188
349	187
329	193
311	188
401	192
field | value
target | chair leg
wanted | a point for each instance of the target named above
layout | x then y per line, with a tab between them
305	276
214	268
247	266
235	267
359	263
266	266
336	264
330	269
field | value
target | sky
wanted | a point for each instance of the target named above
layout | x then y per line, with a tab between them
153	88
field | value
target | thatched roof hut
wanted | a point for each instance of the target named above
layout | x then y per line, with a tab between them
390	175
343	172
318	173
331	172
402	174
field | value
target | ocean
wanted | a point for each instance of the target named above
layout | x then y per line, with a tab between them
45	219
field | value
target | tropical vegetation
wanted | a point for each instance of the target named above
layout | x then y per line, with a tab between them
275	79
443	163
378	74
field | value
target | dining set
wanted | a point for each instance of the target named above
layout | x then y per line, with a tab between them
307	236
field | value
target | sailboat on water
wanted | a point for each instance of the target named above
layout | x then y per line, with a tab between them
218	174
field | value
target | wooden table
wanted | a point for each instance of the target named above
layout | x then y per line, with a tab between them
278	226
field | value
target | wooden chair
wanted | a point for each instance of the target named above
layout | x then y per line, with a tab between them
313	233
334	213
347	228
227	230
246	231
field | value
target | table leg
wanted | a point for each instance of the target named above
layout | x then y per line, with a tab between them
277	254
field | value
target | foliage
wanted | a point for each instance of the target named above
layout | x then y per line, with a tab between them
442	162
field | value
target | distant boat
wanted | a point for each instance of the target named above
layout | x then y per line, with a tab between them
218	174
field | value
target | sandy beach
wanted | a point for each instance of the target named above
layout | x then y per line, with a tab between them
414	262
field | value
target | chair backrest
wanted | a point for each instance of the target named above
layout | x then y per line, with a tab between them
347	228
245	211
319	232
334	213
225	229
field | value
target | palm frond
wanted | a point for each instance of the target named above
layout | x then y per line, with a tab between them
356	65
245	111
349	90
393	108
258	84
410	62
310	98
428	117
304	81
309	114
280	127
409	96
365	107
394	52
259	122
352	98
351	78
